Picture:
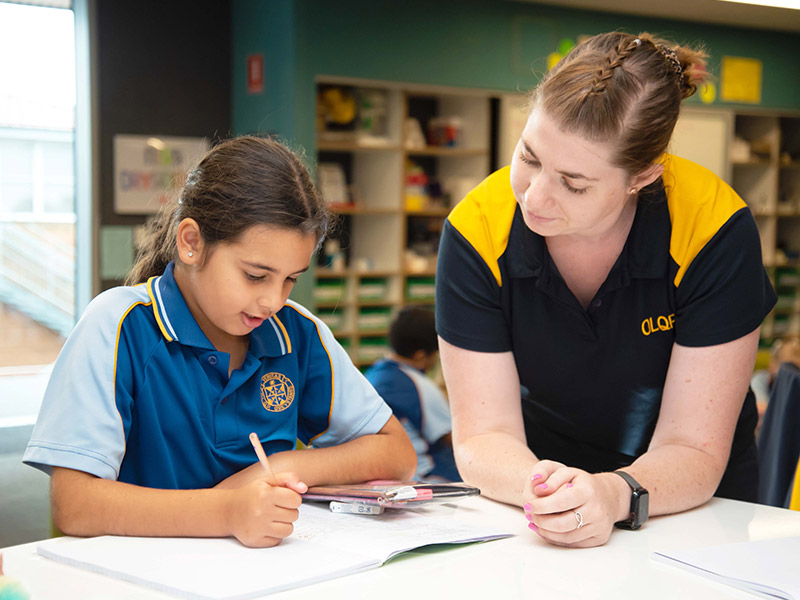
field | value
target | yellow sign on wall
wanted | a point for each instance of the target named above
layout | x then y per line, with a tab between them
741	80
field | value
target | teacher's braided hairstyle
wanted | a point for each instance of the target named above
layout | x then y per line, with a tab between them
622	89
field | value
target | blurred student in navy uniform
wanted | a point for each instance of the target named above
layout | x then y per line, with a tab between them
782	351
417	401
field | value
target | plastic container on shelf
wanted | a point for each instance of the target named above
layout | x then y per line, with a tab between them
329	290
445	132
372	288
420	288
371	349
416	182
372	318
331	317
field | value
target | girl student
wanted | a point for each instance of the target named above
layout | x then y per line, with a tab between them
614	295
145	421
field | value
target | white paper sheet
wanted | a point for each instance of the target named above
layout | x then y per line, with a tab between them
324	545
768	568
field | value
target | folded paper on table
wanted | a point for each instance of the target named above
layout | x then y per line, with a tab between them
767	568
392	494
324	545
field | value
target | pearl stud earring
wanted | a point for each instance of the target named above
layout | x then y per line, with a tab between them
191	253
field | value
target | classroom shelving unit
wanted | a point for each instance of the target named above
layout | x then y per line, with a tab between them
391	175
765	165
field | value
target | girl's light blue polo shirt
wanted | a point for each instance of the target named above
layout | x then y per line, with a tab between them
139	394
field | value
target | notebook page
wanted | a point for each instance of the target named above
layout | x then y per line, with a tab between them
324	545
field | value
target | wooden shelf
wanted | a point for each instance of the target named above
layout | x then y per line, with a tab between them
358	209
386	302
354	146
331	274
322	273
419	301
425	273
446	151
333	303
372	332
760	162
429	212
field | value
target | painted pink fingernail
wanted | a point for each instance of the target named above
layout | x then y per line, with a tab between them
533	527
527	507
529	516
535	477
542	486
569	485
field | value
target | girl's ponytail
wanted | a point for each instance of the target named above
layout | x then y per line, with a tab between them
157	247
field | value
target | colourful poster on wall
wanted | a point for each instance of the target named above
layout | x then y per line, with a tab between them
741	80
147	169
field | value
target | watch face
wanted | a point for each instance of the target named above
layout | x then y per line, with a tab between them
640	507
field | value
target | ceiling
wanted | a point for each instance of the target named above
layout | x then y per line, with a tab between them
706	11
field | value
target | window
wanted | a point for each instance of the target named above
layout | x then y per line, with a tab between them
37	200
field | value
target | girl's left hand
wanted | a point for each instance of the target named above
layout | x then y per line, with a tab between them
571	507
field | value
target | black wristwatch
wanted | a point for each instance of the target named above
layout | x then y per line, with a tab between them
640	503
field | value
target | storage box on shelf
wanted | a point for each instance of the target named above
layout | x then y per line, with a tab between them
393	159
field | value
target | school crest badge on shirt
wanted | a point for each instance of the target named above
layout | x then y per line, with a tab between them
277	392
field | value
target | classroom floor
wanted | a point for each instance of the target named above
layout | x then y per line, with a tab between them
24	491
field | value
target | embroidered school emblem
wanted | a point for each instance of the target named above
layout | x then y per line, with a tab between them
277	392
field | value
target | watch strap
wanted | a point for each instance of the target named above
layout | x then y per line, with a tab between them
638	508
634	485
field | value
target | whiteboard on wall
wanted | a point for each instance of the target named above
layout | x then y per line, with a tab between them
703	136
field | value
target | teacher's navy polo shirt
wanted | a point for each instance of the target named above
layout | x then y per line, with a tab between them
139	394
690	273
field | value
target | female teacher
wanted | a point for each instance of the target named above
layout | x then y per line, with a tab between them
598	306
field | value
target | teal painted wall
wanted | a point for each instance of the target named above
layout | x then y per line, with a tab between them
268	29
492	44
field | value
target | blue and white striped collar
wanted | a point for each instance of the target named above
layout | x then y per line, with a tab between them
177	323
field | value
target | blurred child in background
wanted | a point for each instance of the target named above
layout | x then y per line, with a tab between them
414	397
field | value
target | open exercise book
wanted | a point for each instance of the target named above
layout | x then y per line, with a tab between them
324	545
767	568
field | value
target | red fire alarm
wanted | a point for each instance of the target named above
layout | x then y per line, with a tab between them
255	74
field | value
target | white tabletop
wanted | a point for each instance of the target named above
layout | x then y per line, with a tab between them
523	566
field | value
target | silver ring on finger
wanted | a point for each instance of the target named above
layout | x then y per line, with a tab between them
578	518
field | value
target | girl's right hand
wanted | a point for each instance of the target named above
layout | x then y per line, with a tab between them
261	515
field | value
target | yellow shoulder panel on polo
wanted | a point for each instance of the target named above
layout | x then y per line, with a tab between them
700	203
484	218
